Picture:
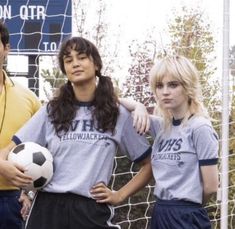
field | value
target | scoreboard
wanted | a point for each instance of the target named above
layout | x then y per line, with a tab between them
36	26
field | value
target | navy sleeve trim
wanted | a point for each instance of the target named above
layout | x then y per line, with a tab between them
16	140
144	155
213	161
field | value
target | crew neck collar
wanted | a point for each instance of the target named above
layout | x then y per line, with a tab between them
177	122
84	104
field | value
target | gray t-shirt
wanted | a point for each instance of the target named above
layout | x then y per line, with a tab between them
83	156
177	155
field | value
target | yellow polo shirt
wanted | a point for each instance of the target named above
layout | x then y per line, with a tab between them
19	104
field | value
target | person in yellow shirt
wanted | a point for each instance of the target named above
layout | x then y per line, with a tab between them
17	106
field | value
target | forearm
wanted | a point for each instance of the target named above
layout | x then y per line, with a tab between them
5	151
210	181
3	157
140	115
139	181
103	194
129	104
208	192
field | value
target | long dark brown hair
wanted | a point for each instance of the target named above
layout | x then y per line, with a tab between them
62	108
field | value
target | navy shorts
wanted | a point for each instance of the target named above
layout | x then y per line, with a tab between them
70	211
10	216
178	214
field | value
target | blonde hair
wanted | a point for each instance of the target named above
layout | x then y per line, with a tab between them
182	70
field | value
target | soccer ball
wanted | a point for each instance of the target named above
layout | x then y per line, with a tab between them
37	161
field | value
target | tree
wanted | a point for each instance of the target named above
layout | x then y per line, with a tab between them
192	36
54	78
231	133
136	84
232	63
98	32
232	115
189	36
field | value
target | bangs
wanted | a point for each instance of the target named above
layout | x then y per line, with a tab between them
81	46
77	44
164	69
170	69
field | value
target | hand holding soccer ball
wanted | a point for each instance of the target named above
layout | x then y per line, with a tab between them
37	161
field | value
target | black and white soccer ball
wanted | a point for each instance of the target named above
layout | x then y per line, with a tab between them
37	161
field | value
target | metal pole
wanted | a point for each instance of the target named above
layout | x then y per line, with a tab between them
225	119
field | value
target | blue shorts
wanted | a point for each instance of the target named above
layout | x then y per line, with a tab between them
10	217
178	214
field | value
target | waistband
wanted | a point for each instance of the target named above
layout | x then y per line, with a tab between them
4	193
177	203
61	195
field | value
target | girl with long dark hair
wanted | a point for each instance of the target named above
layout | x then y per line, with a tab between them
83	126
